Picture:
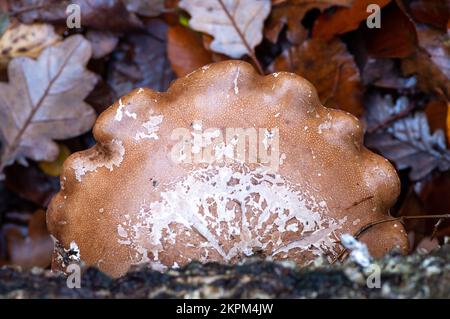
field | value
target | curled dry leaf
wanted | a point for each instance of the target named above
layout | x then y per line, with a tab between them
343	20
291	13
431	61
435	13
26	40
185	50
33	249
395	39
43	101
235	25
337	81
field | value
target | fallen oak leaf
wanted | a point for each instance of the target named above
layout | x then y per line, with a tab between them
44	101
235	25
185	50
291	14
330	67
395	39
431	61
435	13
343	20
409	144
26	40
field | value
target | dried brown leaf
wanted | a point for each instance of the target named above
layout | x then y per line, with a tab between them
291	13
435	13
185	50
330	67
343	20
395	39
431	61
235	25
43	101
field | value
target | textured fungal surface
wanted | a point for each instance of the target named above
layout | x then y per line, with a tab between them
225	164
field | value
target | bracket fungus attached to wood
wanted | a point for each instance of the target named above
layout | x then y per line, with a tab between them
225	164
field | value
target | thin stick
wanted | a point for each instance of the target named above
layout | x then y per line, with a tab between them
342	255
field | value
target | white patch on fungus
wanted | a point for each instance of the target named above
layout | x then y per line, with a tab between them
151	128
235	212
108	156
119	112
131	114
235	82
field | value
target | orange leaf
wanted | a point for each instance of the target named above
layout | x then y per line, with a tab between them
343	20
185	50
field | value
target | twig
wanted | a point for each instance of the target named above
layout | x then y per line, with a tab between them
435	228
337	77
341	256
251	53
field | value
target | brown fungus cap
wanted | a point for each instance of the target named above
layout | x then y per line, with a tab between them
225	164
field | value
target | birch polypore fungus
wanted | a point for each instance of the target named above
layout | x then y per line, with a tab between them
225	164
